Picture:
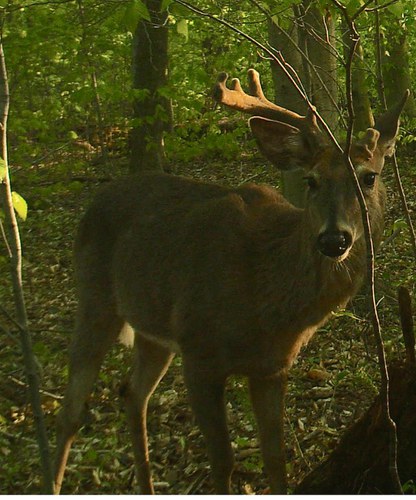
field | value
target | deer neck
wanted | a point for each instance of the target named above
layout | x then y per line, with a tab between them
297	287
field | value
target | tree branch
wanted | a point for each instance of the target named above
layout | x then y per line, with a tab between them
382	97
305	57
385	386
391	426
279	60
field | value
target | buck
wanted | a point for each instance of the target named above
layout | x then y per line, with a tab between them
235	280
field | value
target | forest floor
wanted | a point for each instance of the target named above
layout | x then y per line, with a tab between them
330	386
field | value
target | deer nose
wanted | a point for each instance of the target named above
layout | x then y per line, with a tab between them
334	243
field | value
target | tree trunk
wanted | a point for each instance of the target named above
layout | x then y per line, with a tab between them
285	93
315	35
150	73
85	49
395	62
293	185
360	463
360	91
320	28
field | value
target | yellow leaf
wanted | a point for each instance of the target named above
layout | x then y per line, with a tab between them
3	170
182	28
20	205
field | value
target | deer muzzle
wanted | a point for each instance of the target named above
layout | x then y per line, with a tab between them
334	244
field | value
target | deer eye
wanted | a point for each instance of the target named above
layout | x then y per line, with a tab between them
311	181
369	179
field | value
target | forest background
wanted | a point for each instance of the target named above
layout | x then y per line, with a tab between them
81	113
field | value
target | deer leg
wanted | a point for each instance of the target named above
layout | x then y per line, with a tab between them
93	337
151	362
267	397
207	401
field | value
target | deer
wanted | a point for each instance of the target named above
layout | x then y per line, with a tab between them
234	279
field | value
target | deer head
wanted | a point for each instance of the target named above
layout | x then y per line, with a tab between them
292	141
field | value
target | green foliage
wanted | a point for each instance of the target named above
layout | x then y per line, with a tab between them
182	28
135	11
51	86
396	8
353	6
204	139
57	102
409	488
165	5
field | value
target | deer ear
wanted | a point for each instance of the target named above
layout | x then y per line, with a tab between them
280	143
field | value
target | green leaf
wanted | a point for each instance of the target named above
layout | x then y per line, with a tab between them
182	28
72	135
399	224
40	349
142	10
135	11
20	205
166	92
3	170
341	375
397	9
353	6
165	5
409	487
267	5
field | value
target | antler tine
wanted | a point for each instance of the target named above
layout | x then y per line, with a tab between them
236	98
236	85
256	103
255	85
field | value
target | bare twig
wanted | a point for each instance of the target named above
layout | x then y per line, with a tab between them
404	204
297	444
42	391
279	61
385	382
390	238
359	11
305	57
379	71
390	424
406	320
382	97
16	275
381	7
4	236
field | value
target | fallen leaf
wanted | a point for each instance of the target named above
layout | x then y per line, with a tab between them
316	374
